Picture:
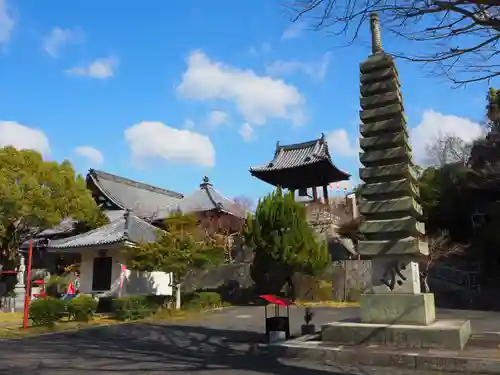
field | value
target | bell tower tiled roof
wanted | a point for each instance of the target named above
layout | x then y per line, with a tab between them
300	165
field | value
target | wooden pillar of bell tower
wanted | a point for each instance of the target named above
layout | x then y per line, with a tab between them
315	194
325	194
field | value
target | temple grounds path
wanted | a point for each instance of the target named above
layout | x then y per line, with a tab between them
222	342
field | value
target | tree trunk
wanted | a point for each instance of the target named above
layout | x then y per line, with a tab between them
291	288
424	283
178	296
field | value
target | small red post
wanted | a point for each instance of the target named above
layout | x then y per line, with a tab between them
27	297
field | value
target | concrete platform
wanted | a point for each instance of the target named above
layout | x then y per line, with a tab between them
472	360
414	309
442	334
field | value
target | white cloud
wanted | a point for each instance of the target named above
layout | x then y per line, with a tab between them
316	70
93	155
98	69
246	132
149	140
293	31
432	126
263	49
258	98
435	124
216	118
23	137
7	22
58	38
339	143
189	124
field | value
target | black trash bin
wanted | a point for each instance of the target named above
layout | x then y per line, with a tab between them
277	315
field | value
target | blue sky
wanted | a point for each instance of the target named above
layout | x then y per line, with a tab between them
169	92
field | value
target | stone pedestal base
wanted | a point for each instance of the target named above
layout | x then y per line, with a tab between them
442	334
20	291
416	309
307	329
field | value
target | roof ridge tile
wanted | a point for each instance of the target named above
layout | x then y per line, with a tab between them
127	181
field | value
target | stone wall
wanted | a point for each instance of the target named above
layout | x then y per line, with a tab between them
350	278
216	277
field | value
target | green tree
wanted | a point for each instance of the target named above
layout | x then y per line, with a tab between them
440	190
36	195
283	243
182	247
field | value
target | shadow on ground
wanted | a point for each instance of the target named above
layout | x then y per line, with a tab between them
144	349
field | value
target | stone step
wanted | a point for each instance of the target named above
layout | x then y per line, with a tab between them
442	334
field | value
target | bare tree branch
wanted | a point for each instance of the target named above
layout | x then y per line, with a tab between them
448	149
244	202
457	39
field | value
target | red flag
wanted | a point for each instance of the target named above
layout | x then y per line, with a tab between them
122	275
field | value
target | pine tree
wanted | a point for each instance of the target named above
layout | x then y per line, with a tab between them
182	247
283	243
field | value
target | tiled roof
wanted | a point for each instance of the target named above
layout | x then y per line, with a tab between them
206	198
66	227
298	155
141	199
128	227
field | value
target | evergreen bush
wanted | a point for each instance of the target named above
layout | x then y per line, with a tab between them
82	308
283	243
204	300
46	311
131	308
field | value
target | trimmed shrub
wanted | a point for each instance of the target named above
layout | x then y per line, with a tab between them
131	308
157	303
204	300
82	308
46	311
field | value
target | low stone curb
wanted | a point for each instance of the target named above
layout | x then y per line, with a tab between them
443	361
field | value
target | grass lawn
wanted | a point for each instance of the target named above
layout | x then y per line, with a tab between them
11	331
9	318
10	323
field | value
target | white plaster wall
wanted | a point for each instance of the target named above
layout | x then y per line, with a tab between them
147	283
135	283
87	268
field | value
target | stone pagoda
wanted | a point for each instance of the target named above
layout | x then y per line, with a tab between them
395	312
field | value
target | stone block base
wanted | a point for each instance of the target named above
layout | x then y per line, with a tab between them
442	334
418	309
